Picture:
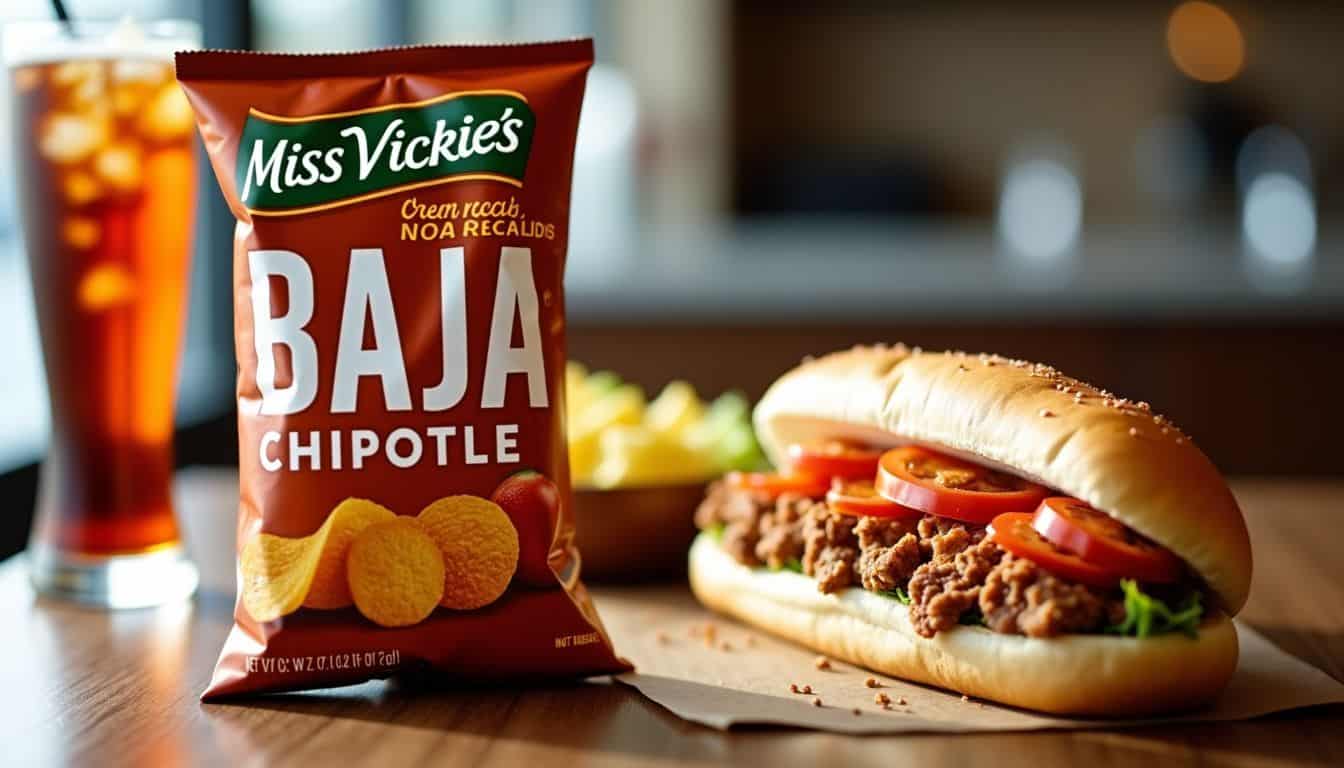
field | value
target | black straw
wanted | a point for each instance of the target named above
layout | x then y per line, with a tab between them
63	15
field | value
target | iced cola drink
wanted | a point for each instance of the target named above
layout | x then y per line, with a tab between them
106	184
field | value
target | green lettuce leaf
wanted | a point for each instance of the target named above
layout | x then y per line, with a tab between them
1146	615
898	594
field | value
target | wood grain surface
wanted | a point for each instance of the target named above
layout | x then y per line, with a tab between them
83	687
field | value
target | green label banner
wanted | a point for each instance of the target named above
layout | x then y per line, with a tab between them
293	165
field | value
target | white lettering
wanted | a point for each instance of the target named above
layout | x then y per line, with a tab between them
453	327
506	443
336	449
515	293
469	447
443	144
367	294
411	161
368	161
267	463
311	451
407	435
511	126
363	444
283	330
264	171
441	435
333	161
480	141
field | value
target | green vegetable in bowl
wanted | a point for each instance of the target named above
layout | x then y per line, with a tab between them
617	439
725	432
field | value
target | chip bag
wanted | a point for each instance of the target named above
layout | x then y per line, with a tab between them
399	322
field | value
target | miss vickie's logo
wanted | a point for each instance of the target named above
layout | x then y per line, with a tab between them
293	165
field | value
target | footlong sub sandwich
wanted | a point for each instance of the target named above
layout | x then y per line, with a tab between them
985	525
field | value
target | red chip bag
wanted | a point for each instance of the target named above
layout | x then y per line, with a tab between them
399	322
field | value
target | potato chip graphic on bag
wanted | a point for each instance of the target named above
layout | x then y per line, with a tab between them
396	573
281	574
479	545
330	587
276	572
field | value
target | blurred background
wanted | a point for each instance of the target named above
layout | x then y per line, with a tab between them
1144	194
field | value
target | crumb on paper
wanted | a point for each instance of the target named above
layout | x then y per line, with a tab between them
881	698
872	683
965	698
857	711
821	662
793	688
707	630
711	633
807	689
901	700
816	701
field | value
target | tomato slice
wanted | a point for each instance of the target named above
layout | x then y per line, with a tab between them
775	485
834	458
1013	532
858	498
1073	525
948	487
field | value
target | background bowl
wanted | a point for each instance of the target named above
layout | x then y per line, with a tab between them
636	534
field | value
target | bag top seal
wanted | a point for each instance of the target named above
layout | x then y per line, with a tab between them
257	65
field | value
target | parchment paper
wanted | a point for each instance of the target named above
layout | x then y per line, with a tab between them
736	675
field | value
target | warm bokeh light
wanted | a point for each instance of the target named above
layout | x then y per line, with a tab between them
1205	42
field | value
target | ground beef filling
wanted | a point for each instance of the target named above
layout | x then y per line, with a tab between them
757	531
1020	597
739	514
889	552
948	569
946	588
781	531
830	548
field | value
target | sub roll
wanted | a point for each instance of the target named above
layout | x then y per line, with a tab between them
985	525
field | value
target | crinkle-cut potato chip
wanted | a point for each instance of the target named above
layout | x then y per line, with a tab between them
480	549
276	573
282	574
396	573
330	588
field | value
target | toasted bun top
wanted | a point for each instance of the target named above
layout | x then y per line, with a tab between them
1030	420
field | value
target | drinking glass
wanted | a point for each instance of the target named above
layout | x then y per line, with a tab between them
106	180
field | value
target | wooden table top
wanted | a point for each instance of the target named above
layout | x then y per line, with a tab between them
88	687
